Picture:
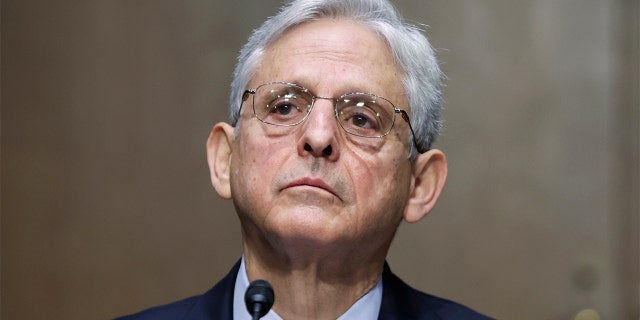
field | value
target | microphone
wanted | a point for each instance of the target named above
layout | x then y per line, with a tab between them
259	298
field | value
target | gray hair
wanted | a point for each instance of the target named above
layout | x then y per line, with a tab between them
410	48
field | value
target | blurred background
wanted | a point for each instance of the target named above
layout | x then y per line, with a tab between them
107	207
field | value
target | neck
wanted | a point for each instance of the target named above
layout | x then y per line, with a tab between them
314	287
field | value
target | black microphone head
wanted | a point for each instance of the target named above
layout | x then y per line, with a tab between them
259	298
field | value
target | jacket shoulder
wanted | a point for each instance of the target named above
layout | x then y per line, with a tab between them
174	310
400	301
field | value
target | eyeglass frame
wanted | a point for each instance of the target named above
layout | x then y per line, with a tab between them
396	110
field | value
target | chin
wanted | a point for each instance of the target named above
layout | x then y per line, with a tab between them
311	230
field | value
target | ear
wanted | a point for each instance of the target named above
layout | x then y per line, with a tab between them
429	176
219	150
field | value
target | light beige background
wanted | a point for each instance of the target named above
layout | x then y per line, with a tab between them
106	202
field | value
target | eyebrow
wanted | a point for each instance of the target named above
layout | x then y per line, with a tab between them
347	89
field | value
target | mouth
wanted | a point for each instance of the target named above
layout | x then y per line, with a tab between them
312	183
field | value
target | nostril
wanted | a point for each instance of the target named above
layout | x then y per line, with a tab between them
327	151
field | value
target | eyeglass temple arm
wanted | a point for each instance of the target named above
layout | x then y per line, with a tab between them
405	116
245	96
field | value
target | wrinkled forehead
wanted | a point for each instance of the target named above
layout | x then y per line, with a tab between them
343	54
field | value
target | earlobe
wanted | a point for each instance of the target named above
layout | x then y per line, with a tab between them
219	150
429	176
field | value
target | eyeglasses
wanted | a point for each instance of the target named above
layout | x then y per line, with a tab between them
360	114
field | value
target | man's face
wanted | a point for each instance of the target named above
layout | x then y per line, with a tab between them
314	184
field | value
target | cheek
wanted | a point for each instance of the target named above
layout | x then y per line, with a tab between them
381	198
259	158
381	182
255	163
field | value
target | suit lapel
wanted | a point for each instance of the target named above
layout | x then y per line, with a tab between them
217	303
399	301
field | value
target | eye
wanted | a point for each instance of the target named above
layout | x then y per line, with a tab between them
360	120
281	103
284	108
364	114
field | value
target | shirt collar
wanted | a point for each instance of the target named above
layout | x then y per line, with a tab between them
366	307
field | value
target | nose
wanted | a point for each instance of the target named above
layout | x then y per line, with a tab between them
319	133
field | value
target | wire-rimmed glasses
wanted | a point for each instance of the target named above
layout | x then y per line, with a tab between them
358	113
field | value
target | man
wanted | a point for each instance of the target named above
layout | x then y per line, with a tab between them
334	106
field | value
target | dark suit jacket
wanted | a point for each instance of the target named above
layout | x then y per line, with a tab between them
399	301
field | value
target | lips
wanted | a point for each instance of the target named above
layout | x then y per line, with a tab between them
311	182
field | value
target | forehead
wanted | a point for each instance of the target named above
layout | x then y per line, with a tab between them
332	57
